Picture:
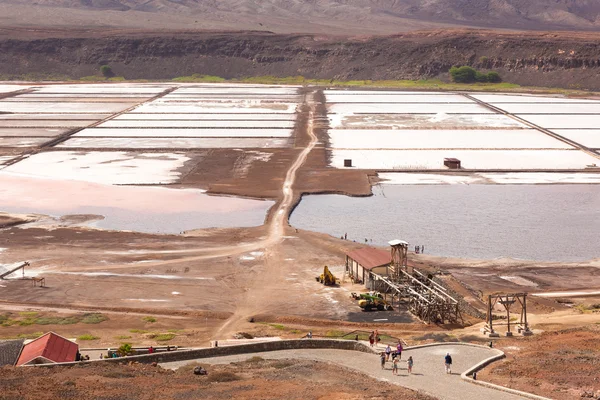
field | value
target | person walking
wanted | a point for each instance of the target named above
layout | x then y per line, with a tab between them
399	349
372	338
395	363
409	364
448	363
382	356
388	351
422	249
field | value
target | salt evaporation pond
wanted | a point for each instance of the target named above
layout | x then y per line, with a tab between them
533	222
130	208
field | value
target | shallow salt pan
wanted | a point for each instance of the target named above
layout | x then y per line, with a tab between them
196	124
505	98
45	123
424	121
188	132
58	94
541	177
63	107
511	178
471	159
589	138
442	139
247	90
136	208
329	92
550	108
116	167
102	89
398	178
12	88
205	117
564	121
22	142
174	143
4	159
69	99
25	132
396	98
202	108
47	116
407	108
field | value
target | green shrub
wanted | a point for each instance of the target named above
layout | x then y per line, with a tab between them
463	74
141	331
87	336
149	319
124	349
28	314
483	59
481	77
32	335
106	71
93	318
494	77
57	320
164	337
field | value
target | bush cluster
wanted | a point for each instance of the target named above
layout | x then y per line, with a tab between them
467	74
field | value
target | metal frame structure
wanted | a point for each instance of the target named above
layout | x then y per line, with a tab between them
507	301
426	299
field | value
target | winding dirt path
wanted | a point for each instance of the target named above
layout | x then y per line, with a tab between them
268	283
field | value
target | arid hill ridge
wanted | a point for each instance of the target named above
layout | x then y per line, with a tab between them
309	16
570	60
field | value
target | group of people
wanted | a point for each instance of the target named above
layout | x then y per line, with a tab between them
396	357
374	338
419	249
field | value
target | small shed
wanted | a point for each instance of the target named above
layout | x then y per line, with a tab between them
452	163
48	349
9	351
362	262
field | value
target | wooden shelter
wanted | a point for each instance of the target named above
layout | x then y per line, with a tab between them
361	264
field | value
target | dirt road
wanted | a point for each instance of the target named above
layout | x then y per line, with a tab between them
271	282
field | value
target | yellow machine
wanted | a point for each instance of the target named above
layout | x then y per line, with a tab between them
327	278
374	302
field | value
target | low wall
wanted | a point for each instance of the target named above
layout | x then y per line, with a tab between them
183	355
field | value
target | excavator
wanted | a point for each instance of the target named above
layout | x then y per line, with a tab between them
327	278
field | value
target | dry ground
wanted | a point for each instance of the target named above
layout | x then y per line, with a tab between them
562	364
253	379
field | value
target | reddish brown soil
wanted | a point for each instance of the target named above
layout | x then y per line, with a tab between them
561	365
253	379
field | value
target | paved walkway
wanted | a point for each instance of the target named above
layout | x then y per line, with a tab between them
428	372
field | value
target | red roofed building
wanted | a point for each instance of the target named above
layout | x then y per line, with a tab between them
48	349
360	263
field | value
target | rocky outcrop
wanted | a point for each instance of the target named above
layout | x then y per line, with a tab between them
529	59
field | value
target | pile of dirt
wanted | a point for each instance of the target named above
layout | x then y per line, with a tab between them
561	364
252	379
566	60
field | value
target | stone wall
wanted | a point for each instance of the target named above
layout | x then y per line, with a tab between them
183	355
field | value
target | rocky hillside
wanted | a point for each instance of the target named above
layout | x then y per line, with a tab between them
533	59
324	16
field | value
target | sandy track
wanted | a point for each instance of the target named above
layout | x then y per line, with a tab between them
260	293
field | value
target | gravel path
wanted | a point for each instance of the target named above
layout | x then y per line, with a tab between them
428	372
